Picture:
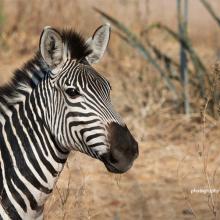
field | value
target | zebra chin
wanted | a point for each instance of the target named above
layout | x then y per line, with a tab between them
111	167
123	149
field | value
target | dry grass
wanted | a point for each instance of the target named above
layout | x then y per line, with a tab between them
177	153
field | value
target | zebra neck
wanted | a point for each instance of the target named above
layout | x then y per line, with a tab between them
30	158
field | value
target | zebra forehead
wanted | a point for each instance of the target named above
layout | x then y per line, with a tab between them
84	73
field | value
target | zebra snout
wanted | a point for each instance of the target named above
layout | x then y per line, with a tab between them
123	149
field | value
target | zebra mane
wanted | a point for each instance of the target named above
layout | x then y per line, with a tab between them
76	44
32	72
24	78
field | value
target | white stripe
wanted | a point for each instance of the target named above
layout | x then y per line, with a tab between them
3	214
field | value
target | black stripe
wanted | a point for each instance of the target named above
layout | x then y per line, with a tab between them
1	178
80	114
93	136
76	123
96	144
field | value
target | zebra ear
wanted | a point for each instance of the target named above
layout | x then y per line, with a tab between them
98	43
51	46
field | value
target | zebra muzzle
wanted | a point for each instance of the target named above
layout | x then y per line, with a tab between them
123	149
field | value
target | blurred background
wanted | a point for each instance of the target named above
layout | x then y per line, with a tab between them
163	65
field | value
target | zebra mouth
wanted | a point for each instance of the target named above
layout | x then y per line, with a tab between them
112	167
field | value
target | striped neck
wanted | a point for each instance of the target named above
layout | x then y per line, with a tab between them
30	158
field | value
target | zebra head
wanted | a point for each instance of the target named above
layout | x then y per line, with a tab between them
81	116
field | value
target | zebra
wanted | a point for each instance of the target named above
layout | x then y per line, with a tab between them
57	103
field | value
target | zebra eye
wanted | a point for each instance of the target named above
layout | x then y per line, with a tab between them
72	92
